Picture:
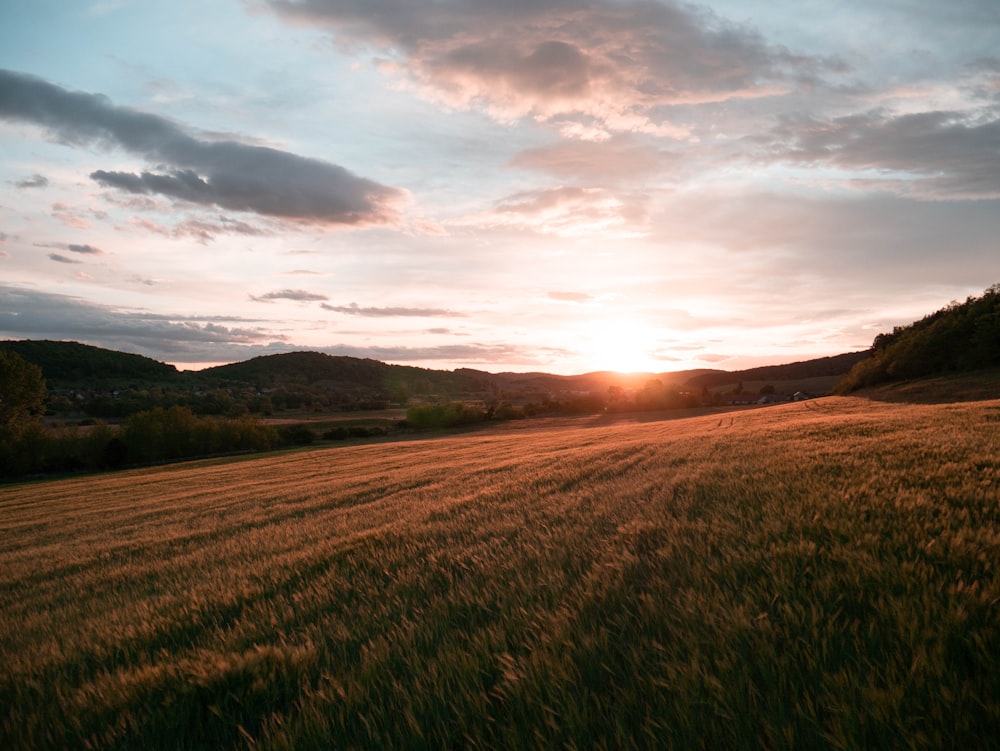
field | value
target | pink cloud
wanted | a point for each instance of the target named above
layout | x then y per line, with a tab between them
622	157
617	63
204	231
69	216
577	297
571	211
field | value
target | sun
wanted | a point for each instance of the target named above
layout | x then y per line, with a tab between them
620	344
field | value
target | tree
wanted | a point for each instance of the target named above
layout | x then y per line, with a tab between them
22	389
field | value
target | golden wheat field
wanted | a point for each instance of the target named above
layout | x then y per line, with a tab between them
812	575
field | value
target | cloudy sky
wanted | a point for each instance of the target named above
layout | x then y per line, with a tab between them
556	185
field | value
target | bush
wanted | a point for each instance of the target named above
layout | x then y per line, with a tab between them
440	416
507	411
152	436
296	435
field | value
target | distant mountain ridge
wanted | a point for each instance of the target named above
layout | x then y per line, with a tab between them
71	363
835	365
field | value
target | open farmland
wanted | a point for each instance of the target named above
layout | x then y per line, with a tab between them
812	575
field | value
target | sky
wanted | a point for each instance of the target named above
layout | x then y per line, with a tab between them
509	185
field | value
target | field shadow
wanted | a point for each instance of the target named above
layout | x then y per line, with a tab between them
977	386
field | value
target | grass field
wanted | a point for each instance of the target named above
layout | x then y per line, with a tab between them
813	575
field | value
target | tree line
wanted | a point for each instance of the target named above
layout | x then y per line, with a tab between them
28	446
958	338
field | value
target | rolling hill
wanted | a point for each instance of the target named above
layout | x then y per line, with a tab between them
75	363
66	364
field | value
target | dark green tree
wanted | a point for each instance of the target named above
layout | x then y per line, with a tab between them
22	390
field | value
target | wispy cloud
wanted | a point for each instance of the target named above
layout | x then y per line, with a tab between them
202	230
59	258
35	181
296	295
188	339
87	250
44	315
79	249
618	159
65	213
570	210
374	312
226	174
579	297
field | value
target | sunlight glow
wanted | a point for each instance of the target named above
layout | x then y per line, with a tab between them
620	344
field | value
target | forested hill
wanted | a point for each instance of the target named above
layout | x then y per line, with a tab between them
958	338
311	368
79	364
822	366
71	364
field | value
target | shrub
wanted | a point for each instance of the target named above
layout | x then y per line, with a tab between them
296	435
440	416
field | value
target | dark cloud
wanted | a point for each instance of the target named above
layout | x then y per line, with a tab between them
551	70
985	82
58	258
227	174
29	313
297	295
947	154
617	62
35	181
356	310
89	250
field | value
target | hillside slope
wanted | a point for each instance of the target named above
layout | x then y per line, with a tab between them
835	365
959	338
78	364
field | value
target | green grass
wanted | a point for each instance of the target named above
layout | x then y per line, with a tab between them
813	575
